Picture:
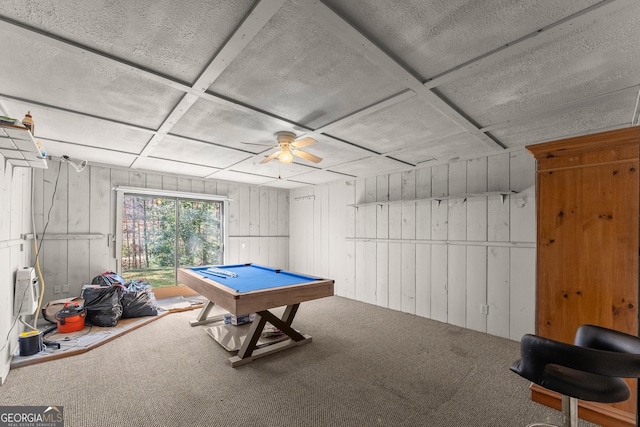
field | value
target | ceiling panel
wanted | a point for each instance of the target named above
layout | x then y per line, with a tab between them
602	114
320	176
79	129
245	178
371	166
592	59
433	36
448	148
225	125
297	69
273	169
46	74
285	184
170	166
167	37
409	122
332	152
93	155
200	153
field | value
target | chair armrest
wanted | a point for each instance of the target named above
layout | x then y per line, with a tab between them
538	352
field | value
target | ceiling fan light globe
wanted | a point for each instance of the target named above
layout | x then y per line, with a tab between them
286	157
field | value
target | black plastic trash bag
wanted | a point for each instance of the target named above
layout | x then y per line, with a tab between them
139	285
138	303
108	278
103	305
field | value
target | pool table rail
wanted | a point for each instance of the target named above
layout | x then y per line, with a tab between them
239	303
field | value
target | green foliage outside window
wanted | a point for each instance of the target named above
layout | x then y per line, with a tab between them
152	230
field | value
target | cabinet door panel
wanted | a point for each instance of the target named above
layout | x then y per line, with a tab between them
587	239
587	249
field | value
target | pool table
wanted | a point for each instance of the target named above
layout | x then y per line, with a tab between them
249	288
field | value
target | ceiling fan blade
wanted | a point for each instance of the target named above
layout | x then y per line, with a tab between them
271	157
304	142
307	156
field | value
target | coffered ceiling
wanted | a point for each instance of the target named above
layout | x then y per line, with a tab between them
190	87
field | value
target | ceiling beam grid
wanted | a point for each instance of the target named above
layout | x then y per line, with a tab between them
378	56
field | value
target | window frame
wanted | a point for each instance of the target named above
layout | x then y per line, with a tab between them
121	191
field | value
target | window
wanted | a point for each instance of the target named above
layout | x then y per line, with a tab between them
160	231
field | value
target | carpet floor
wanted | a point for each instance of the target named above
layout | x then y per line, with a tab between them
366	366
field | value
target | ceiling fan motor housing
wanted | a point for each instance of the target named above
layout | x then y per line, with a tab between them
285	138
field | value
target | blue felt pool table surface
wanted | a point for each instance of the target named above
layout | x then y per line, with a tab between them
253	277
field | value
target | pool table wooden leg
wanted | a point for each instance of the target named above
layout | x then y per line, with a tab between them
248	352
253	336
203	316
284	324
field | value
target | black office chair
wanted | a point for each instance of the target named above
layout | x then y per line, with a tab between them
592	369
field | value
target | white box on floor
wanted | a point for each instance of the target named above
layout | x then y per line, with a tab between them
230	319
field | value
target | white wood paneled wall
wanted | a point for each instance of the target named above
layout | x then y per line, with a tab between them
467	261
84	203
15	253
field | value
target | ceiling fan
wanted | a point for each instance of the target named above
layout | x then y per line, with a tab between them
289	148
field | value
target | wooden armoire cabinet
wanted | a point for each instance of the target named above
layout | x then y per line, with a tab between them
587	193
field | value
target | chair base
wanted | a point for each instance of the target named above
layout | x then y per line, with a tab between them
569	414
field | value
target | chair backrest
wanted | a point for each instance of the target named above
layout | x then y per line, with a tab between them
600	338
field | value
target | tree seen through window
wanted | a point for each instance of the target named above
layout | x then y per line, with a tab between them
156	229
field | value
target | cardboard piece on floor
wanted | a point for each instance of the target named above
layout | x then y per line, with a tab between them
83	340
94	336
180	303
